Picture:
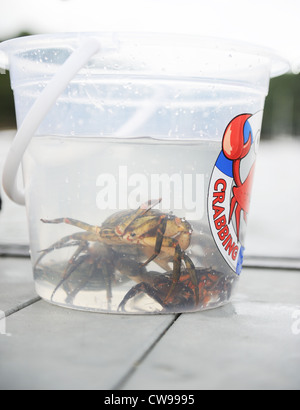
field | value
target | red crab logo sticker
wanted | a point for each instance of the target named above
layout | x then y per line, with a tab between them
230	187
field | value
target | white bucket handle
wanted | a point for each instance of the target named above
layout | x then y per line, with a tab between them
38	112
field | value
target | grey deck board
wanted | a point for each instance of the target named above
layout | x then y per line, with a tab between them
16	283
55	348
248	344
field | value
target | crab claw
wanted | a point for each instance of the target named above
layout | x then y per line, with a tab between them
121	229
150	204
234	146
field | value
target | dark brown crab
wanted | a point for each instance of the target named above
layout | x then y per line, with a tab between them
148	232
213	287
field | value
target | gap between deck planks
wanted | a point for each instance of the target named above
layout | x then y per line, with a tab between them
122	382
133	351
53	348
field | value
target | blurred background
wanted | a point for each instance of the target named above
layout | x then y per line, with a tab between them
267	23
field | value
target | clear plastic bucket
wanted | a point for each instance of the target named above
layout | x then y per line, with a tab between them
139	161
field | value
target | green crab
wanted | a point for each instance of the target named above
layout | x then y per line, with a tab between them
149	233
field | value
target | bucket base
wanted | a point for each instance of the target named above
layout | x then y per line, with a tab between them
134	313
141	304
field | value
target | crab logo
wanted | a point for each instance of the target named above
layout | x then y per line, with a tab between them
230	187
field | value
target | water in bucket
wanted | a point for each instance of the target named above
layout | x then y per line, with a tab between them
138	173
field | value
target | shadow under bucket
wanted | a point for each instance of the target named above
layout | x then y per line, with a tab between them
138	155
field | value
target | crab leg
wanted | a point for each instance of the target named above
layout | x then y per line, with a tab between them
94	268
142	287
142	210
176	271
73	264
74	222
192	272
77	238
159	239
232	206
160	242
75	291
179	255
238	219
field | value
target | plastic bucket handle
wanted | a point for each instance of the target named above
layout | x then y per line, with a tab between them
38	112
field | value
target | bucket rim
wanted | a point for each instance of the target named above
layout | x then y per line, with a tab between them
279	64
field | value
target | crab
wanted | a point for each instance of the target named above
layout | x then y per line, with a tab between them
213	286
157	236
236	146
90	261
